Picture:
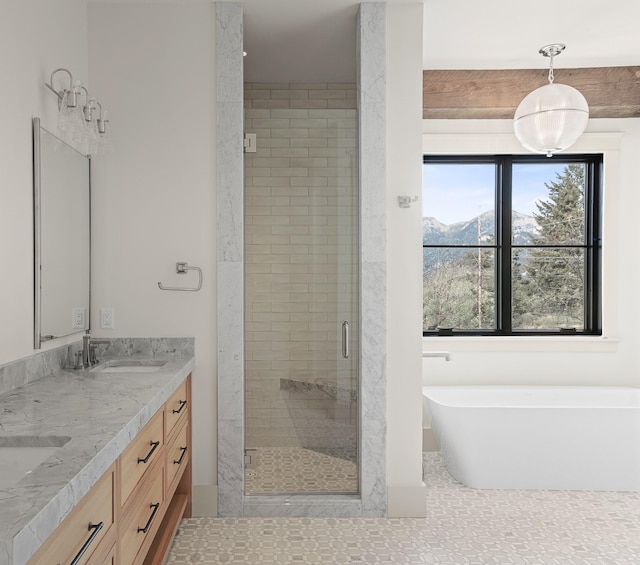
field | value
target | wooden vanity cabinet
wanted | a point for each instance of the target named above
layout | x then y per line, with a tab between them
139	501
152	509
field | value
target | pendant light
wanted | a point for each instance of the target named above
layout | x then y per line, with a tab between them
552	117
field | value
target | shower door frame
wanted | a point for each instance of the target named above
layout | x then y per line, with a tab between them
371	71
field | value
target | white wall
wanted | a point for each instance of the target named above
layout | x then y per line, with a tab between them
610	360
404	283
154	195
36	37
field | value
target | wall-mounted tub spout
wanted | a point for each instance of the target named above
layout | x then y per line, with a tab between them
445	354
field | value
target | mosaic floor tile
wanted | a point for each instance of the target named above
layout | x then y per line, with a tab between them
463	526
290	470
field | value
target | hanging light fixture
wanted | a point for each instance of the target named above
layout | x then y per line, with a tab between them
552	117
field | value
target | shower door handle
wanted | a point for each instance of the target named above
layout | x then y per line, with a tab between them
345	339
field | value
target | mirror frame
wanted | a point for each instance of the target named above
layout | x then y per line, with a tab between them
37	235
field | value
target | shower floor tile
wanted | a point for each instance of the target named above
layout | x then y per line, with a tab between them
463	526
288	470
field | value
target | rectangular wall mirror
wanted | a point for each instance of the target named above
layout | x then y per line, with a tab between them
62	237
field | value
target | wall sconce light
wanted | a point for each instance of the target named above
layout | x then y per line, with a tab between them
552	117
76	121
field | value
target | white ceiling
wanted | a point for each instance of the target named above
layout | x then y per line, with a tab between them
314	40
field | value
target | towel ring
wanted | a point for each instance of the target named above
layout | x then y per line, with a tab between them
181	269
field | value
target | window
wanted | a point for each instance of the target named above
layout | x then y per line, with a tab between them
511	245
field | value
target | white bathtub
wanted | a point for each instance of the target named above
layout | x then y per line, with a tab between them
528	437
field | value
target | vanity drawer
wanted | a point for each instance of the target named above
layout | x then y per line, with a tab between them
177	455
175	408
143	516
82	531
140	455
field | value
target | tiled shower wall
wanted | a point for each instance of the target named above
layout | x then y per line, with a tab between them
301	265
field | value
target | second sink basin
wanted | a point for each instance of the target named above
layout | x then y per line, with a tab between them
21	455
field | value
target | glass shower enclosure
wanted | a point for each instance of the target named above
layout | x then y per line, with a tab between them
301	290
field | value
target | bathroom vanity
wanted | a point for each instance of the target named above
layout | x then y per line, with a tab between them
117	480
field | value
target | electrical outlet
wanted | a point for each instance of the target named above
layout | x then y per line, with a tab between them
107	321
77	318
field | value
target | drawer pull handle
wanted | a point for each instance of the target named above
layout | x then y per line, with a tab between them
154	445
96	530
148	524
179	461
183	403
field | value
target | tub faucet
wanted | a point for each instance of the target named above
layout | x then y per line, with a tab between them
89	347
445	354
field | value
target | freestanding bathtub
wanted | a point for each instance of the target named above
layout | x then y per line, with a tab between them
530	437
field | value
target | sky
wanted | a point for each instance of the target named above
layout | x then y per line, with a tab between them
455	193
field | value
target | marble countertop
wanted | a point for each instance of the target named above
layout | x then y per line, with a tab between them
100	413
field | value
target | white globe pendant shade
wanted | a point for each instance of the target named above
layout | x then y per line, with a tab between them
551	118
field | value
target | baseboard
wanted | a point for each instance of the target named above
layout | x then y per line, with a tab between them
429	441
205	501
407	501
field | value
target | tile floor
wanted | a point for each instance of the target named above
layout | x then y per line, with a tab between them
289	470
463	526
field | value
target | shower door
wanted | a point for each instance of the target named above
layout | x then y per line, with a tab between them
301	298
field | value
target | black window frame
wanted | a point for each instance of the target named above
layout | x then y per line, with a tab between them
594	163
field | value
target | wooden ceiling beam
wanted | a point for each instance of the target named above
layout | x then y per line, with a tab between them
611	92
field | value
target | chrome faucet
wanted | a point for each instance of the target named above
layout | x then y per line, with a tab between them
89	347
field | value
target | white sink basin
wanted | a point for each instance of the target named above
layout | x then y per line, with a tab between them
132	369
131	366
19	456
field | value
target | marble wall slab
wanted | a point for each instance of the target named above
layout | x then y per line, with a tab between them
24	371
146	347
373	251
230	244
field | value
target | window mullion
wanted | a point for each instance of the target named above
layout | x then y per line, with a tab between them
504	205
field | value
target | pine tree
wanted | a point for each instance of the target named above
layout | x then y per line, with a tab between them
550	292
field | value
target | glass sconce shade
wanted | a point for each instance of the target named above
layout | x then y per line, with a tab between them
551	118
78	123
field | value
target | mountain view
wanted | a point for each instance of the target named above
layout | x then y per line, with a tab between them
463	286
435	232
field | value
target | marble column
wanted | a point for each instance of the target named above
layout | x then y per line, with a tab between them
230	212
373	252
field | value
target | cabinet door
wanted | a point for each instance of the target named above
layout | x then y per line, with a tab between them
81	532
143	451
